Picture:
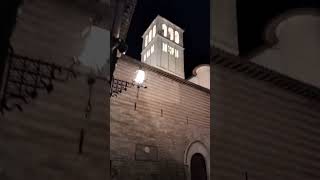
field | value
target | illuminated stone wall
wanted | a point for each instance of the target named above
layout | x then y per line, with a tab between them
151	133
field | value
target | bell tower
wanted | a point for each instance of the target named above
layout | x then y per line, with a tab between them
162	46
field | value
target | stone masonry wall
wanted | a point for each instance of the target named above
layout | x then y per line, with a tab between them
261	130
150	133
42	142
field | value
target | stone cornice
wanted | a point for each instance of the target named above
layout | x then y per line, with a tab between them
163	73
127	14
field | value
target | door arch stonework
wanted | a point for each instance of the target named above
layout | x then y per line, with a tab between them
196	147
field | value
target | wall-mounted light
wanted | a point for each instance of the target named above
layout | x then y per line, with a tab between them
140	77
117	85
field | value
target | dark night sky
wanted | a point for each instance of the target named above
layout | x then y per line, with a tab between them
193	17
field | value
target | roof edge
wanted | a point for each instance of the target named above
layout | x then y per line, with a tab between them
161	72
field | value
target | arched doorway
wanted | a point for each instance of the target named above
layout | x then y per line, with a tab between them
198	167
197	156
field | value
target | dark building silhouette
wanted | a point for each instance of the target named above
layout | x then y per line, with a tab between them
265	90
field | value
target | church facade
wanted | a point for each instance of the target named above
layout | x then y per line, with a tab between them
162	131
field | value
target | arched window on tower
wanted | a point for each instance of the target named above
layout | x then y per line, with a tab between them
164	29
170	31
176	37
148	53
150	35
146	41
154	30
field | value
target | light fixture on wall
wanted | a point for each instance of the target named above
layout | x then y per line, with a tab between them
139	78
118	86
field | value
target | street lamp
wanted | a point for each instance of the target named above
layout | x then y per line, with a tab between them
118	86
140	77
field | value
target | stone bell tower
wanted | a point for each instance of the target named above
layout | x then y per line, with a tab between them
162	46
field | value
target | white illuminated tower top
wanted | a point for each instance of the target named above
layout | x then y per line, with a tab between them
162	46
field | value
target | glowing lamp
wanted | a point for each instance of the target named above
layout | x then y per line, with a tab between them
140	77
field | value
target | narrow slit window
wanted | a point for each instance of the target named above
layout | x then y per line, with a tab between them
144	57
152	48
